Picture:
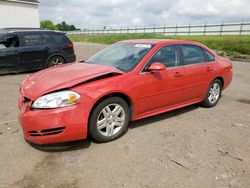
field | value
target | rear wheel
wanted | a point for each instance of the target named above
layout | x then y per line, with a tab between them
109	119
56	60
213	94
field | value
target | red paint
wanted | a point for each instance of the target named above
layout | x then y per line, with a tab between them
60	77
150	93
155	67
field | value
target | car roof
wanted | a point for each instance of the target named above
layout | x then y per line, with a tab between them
146	41
23	30
162	41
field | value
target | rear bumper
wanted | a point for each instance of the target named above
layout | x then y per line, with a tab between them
228	77
70	58
54	125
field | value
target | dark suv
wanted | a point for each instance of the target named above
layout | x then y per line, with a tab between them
33	49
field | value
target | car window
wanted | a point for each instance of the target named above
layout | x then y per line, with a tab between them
33	39
124	56
9	42
192	54
2	46
59	38
210	57
48	38
167	55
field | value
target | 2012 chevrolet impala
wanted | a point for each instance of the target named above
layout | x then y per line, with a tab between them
126	81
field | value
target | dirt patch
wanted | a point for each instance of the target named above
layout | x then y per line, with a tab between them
34	178
44	174
245	101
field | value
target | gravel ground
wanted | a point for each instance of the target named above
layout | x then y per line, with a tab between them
189	147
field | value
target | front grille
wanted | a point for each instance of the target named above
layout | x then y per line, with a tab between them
25	103
25	99
46	132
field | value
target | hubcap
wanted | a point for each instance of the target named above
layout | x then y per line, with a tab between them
214	93
56	61
111	119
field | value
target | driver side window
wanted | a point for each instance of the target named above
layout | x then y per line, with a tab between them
167	55
9	42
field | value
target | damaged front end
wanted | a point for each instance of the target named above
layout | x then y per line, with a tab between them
64	77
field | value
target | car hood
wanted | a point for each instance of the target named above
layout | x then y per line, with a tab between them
62	77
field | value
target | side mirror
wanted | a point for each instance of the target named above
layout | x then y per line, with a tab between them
156	67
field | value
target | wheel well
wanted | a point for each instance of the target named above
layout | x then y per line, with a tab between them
121	95
221	80
56	55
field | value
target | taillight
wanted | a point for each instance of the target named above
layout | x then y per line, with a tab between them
71	46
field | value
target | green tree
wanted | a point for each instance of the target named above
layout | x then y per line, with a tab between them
47	24
62	26
72	28
65	27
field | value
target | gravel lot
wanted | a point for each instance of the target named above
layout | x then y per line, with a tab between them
190	147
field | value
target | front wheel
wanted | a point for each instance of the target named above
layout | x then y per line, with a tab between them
109	119
213	94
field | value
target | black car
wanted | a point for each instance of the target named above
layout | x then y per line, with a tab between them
23	50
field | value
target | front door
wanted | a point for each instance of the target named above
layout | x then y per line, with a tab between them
162	89
9	56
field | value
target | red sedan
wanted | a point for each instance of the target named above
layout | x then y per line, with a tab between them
124	82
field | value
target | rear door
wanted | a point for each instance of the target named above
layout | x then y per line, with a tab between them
34	51
63	46
198	73
9	56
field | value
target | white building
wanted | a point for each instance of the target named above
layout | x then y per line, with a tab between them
19	13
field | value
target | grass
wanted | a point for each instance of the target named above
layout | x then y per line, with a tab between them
234	47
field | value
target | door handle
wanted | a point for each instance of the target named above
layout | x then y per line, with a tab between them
177	74
209	68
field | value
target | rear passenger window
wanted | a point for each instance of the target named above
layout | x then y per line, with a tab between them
59	38
47	38
192	54
210	57
30	40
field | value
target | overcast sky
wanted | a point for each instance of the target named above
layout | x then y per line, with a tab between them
120	13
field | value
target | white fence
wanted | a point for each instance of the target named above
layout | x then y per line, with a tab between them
242	28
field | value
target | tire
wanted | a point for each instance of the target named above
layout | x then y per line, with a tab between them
109	120
56	60
213	94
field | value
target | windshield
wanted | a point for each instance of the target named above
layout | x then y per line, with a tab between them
124	56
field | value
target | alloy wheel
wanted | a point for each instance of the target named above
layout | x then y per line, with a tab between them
214	93
55	62
111	119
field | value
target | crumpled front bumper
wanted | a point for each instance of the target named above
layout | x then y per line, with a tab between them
52	125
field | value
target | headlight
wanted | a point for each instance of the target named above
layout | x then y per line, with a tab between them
56	100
